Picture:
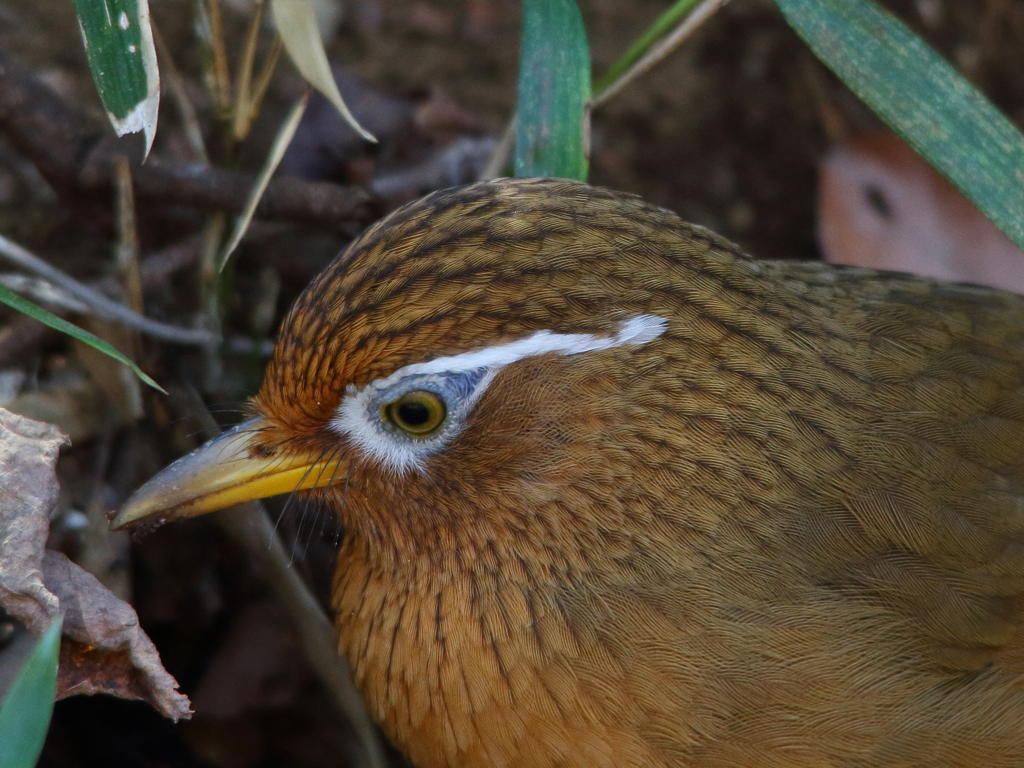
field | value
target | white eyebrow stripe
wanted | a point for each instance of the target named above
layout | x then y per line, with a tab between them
358	414
637	330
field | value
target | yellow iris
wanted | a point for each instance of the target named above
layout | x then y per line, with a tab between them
418	413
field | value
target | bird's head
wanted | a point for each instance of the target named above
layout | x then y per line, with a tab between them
476	364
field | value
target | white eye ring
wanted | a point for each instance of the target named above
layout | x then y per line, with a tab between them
361	416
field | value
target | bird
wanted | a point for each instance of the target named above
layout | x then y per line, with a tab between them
616	494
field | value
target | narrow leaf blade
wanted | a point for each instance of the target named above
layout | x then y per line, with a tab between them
273	159
23	305
297	25
119	45
28	705
553	120
661	27
948	121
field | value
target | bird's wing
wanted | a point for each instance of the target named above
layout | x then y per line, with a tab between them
926	515
832	548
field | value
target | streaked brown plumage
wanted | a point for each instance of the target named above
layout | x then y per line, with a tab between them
788	531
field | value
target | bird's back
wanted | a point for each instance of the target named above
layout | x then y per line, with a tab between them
836	576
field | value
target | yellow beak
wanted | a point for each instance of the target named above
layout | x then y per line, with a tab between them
222	473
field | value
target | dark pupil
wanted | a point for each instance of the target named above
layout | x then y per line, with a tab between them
414	414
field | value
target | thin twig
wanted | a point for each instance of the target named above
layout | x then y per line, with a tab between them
159	266
42	292
219	75
241	117
687	27
73	153
171	76
23	334
126	251
259	90
99	303
251	526
502	152
284	137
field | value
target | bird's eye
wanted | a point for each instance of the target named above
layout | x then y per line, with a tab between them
418	413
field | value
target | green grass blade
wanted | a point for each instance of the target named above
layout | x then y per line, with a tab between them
661	26
122	57
553	123
925	100
13	300
28	705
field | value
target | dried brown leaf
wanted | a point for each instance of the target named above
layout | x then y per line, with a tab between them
104	648
28	454
110	653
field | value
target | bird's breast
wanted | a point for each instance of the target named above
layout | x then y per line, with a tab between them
468	671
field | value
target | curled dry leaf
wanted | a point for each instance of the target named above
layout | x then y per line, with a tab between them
28	454
104	649
296	23
882	206
108	652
